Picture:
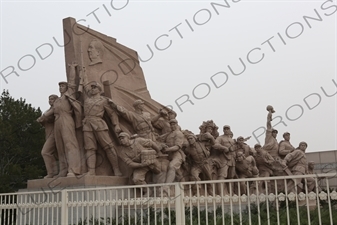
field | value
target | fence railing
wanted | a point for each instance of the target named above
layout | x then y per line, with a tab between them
306	199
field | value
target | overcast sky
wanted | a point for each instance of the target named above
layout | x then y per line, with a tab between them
209	61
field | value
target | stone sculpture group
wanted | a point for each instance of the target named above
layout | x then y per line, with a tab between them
85	126
160	146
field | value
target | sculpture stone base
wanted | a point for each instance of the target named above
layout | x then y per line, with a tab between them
77	182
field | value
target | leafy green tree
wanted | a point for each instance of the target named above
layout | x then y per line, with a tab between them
21	140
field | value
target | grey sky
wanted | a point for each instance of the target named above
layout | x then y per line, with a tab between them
303	60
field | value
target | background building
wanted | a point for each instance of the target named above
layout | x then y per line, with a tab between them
325	162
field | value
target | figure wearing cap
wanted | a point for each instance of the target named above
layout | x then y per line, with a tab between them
64	108
95	129
296	161
199	154
297	158
285	146
246	168
141	155
140	120
241	146
264	162
271	144
161	120
174	142
224	156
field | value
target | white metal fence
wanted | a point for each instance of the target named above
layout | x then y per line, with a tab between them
274	200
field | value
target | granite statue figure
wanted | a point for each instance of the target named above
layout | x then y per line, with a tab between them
296	162
140	120
224	157
285	147
65	124
173	147
271	144
95	129
49	152
199	154
245	168
141	155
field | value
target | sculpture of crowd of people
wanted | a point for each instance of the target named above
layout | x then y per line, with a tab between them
158	145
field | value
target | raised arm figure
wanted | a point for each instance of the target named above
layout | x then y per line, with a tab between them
64	127
95	129
161	122
271	144
140	120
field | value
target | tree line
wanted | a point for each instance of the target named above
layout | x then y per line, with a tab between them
21	140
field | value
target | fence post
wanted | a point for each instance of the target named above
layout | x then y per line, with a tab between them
179	203
64	207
